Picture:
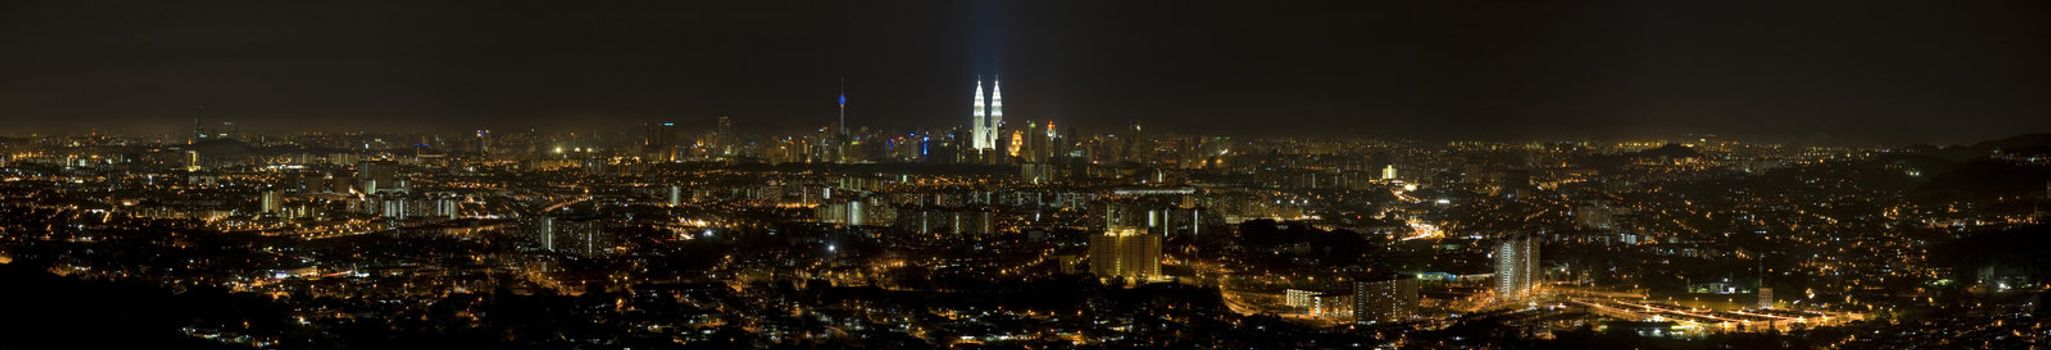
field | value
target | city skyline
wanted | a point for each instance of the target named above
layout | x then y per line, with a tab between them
1204	174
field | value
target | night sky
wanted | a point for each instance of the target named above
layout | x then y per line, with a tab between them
1838	71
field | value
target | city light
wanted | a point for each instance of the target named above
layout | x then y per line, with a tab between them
1225	175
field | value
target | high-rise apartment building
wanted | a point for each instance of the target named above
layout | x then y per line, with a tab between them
1517	272
1384	301
1129	253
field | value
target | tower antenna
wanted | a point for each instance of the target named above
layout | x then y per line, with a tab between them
843	107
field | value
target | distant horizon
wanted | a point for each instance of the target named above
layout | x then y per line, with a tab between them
1030	174
1889	72
695	126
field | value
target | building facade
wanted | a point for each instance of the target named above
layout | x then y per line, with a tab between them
1384	301
1517	272
1127	253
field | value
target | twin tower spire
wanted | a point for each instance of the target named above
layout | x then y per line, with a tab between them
987	118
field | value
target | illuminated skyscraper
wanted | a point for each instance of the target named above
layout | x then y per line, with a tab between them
1035	148
1047	145
984	137
484	141
1017	141
660	143
1517	267
987	118
1135	145
723	139
995	123
1128	253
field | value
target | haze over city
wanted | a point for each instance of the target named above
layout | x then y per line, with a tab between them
1897	72
992	174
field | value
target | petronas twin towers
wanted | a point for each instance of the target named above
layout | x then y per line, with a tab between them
987	117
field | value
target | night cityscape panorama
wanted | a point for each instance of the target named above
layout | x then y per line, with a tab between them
985	174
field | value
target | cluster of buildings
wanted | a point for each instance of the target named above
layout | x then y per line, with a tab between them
1145	235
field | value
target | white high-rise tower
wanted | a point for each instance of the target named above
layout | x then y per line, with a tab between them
983	136
1517	271
995	122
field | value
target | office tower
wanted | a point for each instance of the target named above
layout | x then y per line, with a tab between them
1135	147
1389	172
1517	270
1384	301
984	137
484	141
995	123
1034	146
1067	146
1127	253
198	133
1030	142
1017	141
229	130
723	139
828	147
1047	143
660	142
